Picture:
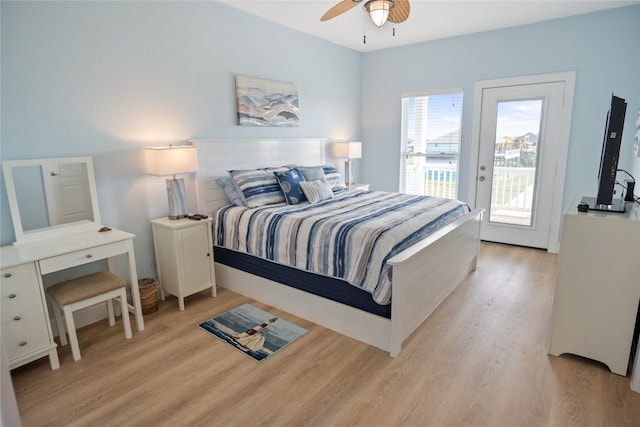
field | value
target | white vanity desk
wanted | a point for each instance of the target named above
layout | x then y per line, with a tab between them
56	219
55	254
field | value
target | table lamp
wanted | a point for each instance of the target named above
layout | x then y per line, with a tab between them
173	160
348	150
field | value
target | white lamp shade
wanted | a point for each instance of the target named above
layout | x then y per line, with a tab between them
348	150
171	160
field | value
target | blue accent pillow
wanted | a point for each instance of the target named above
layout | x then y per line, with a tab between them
290	184
258	187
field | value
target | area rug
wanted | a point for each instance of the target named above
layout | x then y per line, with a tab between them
252	331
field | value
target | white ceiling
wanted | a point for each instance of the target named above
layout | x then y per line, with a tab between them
428	20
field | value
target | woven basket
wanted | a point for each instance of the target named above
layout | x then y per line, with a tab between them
148	295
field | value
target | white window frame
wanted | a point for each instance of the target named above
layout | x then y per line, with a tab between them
405	154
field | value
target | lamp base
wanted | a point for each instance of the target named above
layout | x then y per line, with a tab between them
176	193
347	173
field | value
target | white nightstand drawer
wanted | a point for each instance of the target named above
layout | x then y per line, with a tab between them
84	256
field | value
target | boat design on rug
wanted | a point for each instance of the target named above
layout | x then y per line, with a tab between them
253	331
251	339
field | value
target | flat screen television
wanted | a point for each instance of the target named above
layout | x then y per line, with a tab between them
604	201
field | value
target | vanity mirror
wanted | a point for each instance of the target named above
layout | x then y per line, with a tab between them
51	197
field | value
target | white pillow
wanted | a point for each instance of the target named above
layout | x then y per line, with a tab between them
316	191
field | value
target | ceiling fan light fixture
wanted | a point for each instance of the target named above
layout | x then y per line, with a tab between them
378	10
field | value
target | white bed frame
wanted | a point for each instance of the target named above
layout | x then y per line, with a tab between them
423	275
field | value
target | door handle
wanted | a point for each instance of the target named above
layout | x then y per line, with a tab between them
481	178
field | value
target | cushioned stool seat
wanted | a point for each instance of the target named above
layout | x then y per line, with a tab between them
85	291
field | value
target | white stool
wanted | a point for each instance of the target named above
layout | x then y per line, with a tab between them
85	291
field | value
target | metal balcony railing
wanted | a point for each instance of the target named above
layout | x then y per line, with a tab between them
512	188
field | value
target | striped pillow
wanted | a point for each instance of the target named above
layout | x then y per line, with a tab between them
316	191
333	177
258	187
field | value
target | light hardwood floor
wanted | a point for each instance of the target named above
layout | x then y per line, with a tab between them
479	360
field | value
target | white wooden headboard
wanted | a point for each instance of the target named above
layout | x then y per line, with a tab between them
217	157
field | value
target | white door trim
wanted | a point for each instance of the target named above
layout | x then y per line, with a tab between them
569	79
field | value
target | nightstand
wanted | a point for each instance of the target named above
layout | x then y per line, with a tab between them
184	256
364	187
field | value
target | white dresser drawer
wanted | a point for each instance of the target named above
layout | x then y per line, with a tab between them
24	317
21	293
17	278
72	259
26	335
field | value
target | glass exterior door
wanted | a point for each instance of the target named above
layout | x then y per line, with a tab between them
513	185
519	131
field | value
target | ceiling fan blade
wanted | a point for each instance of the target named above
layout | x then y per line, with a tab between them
338	9
400	11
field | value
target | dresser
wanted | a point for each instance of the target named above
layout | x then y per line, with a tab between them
26	325
26	331
598	286
184	256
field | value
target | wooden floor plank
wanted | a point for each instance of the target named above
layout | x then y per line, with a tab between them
480	359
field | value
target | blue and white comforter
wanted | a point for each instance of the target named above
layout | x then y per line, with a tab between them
350	237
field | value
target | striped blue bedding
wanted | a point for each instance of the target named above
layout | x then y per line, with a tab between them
349	237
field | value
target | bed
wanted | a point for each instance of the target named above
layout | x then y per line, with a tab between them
422	274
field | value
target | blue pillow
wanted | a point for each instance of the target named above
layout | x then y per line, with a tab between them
258	187
290	184
311	173
230	190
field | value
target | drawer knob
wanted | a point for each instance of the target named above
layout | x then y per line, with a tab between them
17	318
12	295
7	275
89	256
22	343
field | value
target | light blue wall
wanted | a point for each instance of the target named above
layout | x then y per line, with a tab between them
106	79
602	48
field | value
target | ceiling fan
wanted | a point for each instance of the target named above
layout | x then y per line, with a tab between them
380	11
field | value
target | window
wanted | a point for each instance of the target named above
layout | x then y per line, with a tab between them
430	144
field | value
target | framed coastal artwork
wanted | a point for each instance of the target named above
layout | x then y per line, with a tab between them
261	102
